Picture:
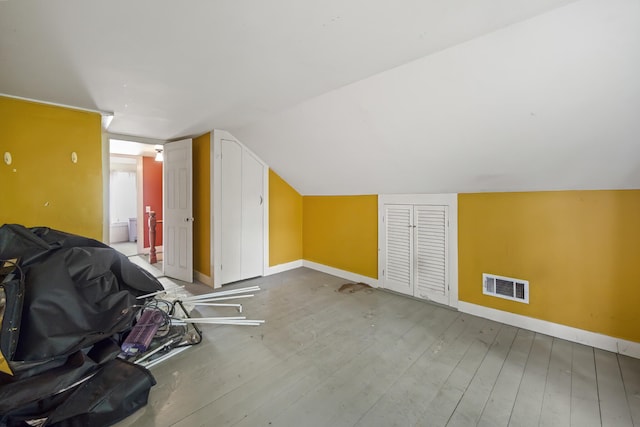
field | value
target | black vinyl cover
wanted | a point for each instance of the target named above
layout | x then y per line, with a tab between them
14	298
104	396
68	307
37	395
118	390
78	291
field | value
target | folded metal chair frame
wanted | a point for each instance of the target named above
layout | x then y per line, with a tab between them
173	345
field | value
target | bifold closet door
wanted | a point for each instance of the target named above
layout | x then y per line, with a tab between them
431	253
416	251
398	268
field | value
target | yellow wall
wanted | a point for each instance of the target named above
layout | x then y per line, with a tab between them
42	187
342	232
285	221
202	204
580	251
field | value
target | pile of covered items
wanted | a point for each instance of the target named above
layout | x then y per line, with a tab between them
66	305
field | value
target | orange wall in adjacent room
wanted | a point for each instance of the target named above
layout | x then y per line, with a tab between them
42	186
342	232
152	196
579	250
285	221
202	204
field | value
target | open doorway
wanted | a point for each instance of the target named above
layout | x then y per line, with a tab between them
135	194
123	198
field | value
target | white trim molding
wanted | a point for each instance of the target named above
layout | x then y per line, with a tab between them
139	139
56	104
283	267
581	336
265	218
106	192
347	275
216	203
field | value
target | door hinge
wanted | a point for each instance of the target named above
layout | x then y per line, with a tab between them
383	272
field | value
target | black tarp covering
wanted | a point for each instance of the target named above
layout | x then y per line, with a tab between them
28	396
70	300
111	393
78	291
116	392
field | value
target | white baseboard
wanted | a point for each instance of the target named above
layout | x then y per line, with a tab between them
593	339
283	267
200	277
340	273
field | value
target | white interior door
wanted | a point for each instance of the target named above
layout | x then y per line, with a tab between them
431	253
178	210
252	217
398	267
231	212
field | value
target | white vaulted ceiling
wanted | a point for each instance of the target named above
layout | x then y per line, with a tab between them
351	97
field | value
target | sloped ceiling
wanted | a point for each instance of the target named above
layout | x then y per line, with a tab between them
351	97
552	103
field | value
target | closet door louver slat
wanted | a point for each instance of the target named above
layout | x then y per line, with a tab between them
399	238
431	273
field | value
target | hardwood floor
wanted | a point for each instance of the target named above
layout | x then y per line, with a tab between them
372	358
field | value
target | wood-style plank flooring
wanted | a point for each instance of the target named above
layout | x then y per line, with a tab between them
373	358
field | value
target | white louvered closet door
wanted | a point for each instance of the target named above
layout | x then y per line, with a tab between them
398	269
431	277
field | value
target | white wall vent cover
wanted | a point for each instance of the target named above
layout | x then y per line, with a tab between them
505	287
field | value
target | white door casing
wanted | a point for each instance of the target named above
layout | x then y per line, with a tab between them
178	210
